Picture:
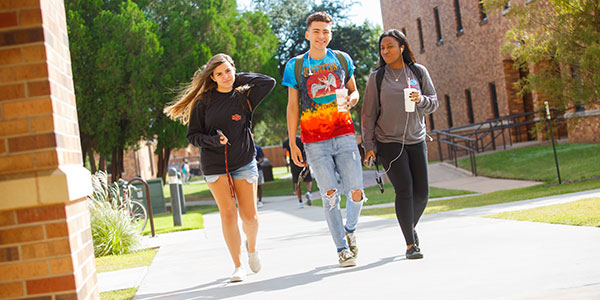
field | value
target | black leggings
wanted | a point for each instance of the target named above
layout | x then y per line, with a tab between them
408	174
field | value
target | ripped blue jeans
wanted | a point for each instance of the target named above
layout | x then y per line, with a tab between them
328	159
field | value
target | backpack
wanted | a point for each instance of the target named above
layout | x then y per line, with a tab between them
300	62
381	72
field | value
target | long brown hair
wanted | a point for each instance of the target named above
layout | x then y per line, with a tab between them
181	106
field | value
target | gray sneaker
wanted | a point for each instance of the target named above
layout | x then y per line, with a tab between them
351	239
346	258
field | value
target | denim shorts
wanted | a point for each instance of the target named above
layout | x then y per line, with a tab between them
248	172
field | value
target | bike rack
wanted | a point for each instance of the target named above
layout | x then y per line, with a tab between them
148	202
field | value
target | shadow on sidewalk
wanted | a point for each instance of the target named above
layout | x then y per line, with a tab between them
222	288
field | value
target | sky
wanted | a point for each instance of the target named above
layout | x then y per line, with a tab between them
364	10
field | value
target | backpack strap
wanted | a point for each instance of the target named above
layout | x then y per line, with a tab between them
298	68
300	61
378	81
340	56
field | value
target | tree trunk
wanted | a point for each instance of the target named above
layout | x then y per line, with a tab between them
116	164
163	163
102	163
90	154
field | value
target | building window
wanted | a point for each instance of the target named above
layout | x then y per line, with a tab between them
420	29
469	106
494	100
438	26
459	27
404	31
449	111
482	15
431	123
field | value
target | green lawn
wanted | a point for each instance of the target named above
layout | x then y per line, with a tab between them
374	196
531	192
585	212
163	223
576	161
198	190
126	294
131	260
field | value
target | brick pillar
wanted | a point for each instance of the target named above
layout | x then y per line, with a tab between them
46	250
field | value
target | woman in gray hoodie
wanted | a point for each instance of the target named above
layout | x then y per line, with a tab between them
396	132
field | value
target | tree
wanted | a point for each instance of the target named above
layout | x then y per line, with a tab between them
561	38
114	76
191	31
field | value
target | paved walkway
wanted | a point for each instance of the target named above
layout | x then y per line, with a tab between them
466	257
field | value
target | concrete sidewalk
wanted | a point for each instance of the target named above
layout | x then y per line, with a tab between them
466	257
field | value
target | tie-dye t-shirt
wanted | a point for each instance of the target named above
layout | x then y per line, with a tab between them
320	119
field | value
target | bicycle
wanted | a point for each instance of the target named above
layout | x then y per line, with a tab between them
135	209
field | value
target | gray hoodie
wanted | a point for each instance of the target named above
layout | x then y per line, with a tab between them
389	127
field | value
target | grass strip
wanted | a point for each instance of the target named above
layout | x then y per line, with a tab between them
163	223
374	196
585	212
576	162
126	294
532	192
118	262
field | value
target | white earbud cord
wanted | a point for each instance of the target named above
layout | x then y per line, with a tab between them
405	127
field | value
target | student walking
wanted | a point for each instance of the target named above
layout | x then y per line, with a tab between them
217	106
260	158
300	174
327	130
394	127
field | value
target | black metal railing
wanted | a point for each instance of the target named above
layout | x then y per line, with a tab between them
467	140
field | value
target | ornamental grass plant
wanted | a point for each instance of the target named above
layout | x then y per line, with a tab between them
113	232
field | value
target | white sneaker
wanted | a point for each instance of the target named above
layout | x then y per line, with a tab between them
238	275
259	204
308	198
254	261
300	205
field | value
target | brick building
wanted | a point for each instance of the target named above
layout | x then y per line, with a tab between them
461	47
46	249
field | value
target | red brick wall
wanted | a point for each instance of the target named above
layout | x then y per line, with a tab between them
468	61
46	250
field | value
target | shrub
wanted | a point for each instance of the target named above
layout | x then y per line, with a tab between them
113	233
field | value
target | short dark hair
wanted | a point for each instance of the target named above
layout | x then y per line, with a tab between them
407	55
319	16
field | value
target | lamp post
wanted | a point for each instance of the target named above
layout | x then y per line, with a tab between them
552	137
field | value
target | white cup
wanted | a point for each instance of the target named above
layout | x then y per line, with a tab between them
340	98
409	105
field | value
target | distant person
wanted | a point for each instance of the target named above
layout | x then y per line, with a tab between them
327	130
260	158
185	171
397	131
217	106
296	172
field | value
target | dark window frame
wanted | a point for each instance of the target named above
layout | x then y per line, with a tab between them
420	29
482	15
469	102
449	111
438	25
494	100
459	27
431	122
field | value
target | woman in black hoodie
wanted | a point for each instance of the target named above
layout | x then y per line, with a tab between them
217	106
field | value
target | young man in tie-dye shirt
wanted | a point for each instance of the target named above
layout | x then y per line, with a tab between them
327	134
